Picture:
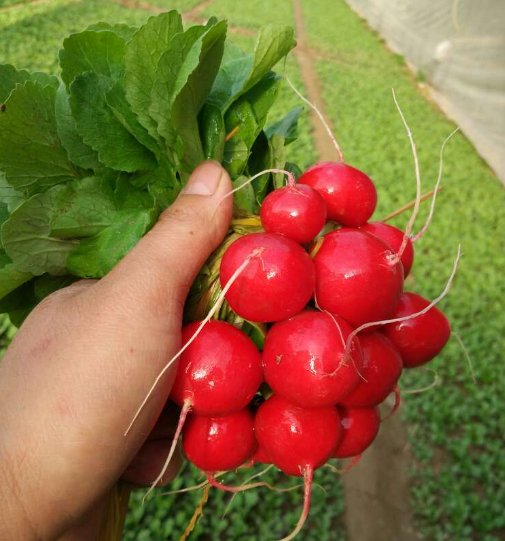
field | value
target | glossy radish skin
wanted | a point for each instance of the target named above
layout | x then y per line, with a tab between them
275	285
419	339
219	443
302	359
356	277
360	427
295	438
261	457
382	367
296	211
350	195
393	237
219	372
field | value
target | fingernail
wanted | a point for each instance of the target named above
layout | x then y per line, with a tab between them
204	180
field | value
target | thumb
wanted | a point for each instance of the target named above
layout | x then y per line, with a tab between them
161	268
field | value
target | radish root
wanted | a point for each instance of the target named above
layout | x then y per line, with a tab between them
408	230
291	180
437	379
349	466
411	316
186	408
197	515
187	489
467	355
398	400
307	477
435	190
321	118
410	204
214	309
243	487
246	482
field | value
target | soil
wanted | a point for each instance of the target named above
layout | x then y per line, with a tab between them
377	492
324	146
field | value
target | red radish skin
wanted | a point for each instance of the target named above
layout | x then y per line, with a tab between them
350	195
303	360
261	457
393	237
355	277
296	211
275	285
421	338
360	427
382	367
220	372
219	443
296	438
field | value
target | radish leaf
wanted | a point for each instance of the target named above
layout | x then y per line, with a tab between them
143	54
31	155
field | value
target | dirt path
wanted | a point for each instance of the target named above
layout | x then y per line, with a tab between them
324	146
377	492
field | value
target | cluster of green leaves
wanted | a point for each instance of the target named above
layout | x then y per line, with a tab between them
456	429
88	162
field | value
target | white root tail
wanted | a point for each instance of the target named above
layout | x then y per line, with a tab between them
291	180
408	230
246	482
213	310
321	118
186	408
467	355
435	190
447	287
436	380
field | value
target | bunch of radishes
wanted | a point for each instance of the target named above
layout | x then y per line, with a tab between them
320	381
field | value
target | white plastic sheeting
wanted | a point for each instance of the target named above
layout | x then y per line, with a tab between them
459	45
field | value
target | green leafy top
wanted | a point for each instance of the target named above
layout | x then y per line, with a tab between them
88	162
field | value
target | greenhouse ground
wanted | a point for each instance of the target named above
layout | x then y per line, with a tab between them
450	439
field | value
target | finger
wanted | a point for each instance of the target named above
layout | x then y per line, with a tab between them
148	462
166	425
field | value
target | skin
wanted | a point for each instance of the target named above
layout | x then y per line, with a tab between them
82	363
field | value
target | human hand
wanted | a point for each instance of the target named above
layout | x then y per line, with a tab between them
82	363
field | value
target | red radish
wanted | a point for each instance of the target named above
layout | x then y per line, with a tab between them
356	277
350	195
296	211
303	359
421	338
382	367
220	372
219	443
298	441
361	426
261	456
296	438
393	237
276	284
